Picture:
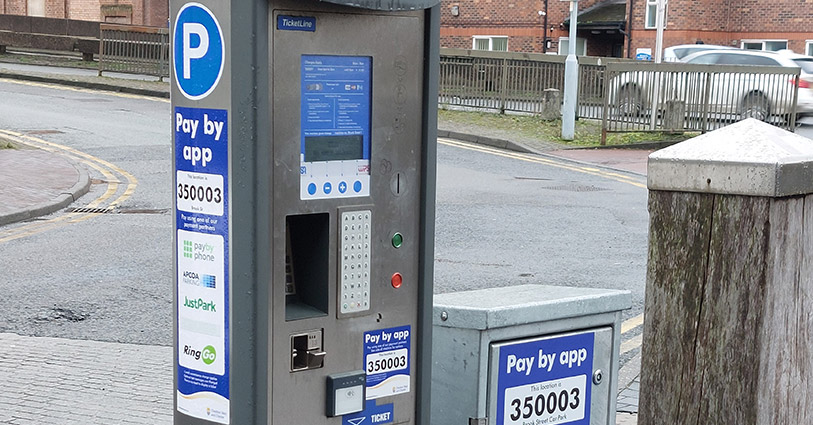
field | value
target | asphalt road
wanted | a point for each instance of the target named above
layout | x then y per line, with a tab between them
502	219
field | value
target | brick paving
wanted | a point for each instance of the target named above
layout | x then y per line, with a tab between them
628	397
633	160
62	381
31	177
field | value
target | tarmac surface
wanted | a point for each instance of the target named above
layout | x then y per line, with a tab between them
64	381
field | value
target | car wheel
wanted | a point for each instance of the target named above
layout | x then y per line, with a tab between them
629	102
755	106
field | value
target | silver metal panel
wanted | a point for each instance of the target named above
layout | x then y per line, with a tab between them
602	361
397	75
748	158
461	362
499	307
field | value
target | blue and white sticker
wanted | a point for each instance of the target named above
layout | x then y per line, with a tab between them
199	51
371	415
296	23
202	282
546	381
386	361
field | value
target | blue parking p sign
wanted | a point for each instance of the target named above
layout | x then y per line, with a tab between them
199	51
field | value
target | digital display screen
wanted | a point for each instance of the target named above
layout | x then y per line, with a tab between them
334	148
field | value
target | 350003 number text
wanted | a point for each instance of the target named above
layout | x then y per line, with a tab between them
387	361
550	404
560	401
200	193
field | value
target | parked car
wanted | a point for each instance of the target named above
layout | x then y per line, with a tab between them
755	97
723	92
677	53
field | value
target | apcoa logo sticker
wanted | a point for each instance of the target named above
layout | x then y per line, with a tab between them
199	51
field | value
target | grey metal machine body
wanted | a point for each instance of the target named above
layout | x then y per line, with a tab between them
329	229
568	337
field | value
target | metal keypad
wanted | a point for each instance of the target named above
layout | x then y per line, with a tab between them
354	271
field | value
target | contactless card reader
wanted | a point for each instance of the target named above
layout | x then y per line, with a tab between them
346	393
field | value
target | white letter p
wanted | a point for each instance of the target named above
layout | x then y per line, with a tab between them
190	52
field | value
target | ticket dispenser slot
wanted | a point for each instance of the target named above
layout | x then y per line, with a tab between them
306	274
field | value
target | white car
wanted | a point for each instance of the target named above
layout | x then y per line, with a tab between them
757	97
677	53
724	90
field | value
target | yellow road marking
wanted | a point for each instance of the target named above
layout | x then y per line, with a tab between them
628	325
544	161
632	344
103	167
81	90
632	323
112	185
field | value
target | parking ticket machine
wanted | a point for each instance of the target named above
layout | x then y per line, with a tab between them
304	148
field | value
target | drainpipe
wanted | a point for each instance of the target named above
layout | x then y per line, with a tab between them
545	30
629	29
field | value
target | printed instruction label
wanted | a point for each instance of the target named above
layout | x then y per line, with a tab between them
546	381
386	360
202	230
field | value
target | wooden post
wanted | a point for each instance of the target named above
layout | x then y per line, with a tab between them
728	335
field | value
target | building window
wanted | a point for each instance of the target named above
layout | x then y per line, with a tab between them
496	43
809	47
581	46
767	45
652	14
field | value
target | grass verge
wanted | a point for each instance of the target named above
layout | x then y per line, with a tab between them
66	61
588	132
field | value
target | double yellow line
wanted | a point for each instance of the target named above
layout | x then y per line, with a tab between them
114	176
629	325
546	161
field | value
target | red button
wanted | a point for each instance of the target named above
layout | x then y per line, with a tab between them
397	280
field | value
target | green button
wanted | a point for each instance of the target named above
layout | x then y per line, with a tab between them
397	240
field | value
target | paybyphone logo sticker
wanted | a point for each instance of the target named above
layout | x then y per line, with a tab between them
199	51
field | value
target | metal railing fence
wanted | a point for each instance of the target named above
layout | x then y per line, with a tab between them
675	97
515	82
133	49
499	81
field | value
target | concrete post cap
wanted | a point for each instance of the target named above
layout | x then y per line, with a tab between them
749	158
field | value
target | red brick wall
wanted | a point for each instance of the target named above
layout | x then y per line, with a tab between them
727	22
15	7
54	8
144	12
519	20
84	10
156	13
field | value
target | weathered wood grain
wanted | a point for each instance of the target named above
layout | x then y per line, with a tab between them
729	311
725	381
680	228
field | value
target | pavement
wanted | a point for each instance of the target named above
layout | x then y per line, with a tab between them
64	381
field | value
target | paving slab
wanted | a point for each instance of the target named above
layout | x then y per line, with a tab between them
632	160
63	381
35	182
